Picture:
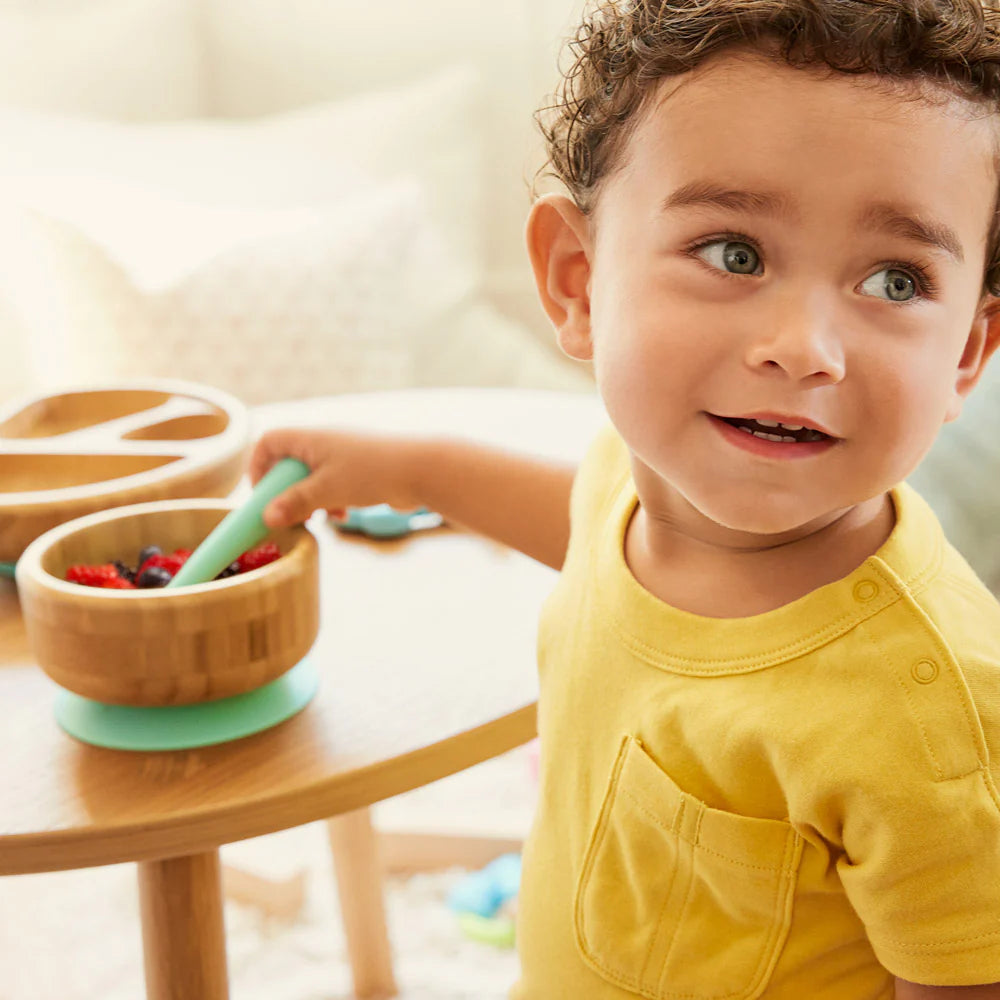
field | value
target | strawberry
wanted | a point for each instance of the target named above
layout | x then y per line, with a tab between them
93	576
260	556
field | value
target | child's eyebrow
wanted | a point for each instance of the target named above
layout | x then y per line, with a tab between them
883	216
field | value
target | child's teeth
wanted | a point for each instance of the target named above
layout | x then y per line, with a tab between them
774	423
768	437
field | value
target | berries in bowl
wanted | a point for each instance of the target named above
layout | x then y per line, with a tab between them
156	568
150	645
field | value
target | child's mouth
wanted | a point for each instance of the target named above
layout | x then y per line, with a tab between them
772	439
773	430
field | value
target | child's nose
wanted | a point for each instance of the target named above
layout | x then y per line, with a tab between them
798	336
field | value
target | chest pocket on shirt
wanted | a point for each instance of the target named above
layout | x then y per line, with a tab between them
680	901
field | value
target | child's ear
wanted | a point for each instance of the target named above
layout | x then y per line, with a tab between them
984	339
558	236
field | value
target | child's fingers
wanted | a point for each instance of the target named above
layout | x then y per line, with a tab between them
261	459
271	447
294	505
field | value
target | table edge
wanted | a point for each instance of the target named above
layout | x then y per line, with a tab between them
194	833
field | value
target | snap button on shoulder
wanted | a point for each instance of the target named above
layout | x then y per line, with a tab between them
865	590
924	671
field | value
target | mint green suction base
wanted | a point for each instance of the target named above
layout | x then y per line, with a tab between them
183	727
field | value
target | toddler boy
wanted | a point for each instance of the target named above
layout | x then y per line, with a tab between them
770	689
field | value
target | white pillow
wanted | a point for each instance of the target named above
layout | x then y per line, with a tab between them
83	170
130	59
301	304
267	55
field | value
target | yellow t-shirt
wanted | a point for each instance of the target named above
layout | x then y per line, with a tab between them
780	806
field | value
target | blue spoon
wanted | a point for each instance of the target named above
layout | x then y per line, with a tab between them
383	521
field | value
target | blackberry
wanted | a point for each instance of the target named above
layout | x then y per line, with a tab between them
123	571
231	570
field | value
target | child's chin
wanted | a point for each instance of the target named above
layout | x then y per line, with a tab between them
760	519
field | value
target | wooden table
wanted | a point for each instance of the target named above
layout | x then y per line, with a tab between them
427	658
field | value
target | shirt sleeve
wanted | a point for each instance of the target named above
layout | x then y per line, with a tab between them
922	870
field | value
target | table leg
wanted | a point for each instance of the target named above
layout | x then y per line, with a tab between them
183	933
354	845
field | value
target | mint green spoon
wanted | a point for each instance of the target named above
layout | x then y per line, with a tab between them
240	529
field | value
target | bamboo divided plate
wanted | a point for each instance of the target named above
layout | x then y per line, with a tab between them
76	452
167	646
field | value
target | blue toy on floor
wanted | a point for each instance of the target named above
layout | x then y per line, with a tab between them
485	900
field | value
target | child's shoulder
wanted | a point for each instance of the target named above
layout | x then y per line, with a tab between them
962	608
934	575
604	470
941	645
967	615
606	450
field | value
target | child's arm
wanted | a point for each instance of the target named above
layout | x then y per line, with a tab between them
519	500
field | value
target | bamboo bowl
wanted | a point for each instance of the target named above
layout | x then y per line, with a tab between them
76	452
165	646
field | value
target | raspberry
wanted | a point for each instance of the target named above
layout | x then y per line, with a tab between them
93	576
171	563
260	556
118	583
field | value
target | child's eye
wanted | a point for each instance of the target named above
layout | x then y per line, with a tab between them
730	256
899	285
734	255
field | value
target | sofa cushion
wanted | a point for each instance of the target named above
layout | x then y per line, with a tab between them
270	55
300	158
296	303
360	295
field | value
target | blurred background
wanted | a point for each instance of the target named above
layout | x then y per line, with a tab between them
282	198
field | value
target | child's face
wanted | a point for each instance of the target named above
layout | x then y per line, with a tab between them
786	314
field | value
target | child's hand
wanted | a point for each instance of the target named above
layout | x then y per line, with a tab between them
349	469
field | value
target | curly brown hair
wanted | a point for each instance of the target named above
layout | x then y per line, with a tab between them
623	48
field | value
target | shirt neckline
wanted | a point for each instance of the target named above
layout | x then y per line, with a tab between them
683	642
